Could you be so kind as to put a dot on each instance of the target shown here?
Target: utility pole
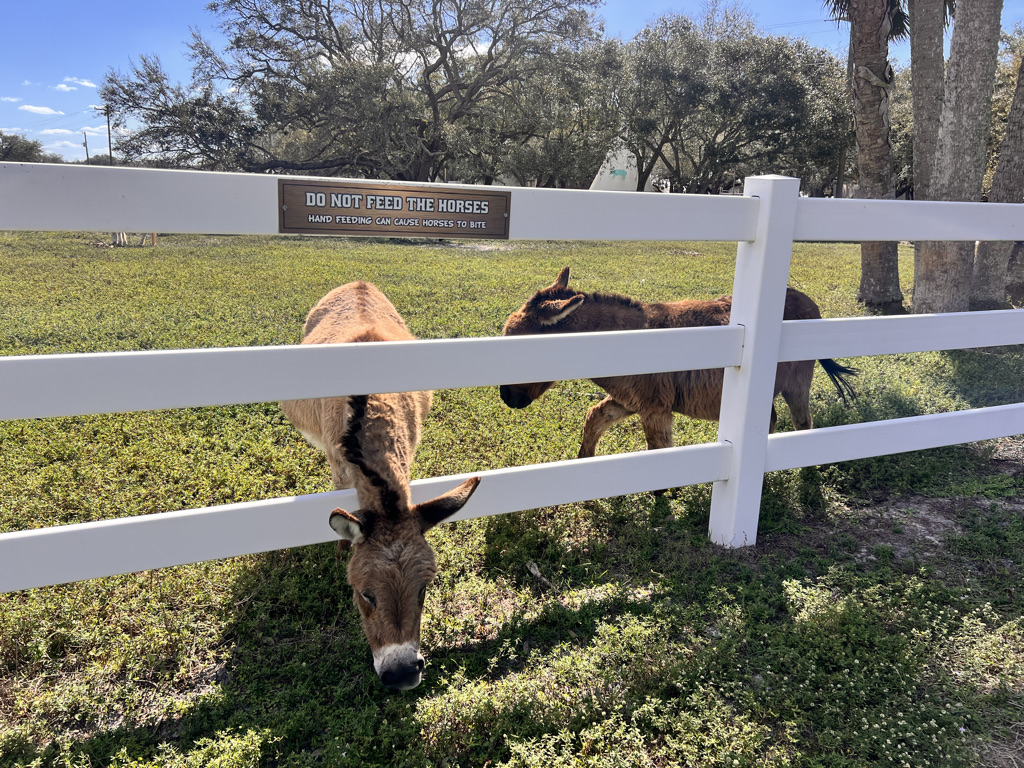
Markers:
(85, 144)
(110, 147)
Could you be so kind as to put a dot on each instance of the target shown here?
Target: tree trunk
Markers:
(943, 270)
(1015, 273)
(928, 70)
(989, 280)
(869, 48)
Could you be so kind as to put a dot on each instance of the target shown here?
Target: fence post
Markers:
(759, 295)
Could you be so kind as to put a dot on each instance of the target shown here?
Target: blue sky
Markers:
(56, 53)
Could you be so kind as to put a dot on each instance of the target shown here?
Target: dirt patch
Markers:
(1006, 753)
(910, 527)
(1009, 456)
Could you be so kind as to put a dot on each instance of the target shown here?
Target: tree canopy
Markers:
(387, 90)
(482, 90)
(706, 103)
(15, 148)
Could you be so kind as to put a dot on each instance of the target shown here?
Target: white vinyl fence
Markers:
(764, 222)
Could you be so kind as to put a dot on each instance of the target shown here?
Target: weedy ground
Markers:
(877, 622)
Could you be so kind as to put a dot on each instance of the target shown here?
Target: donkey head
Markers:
(389, 570)
(544, 312)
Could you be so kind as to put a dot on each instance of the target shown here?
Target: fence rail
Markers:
(34, 386)
(764, 222)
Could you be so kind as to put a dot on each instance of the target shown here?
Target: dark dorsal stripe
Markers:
(353, 447)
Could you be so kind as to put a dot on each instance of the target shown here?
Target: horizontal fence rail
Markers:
(915, 433)
(765, 222)
(38, 196)
(97, 199)
(33, 386)
(859, 336)
(829, 220)
(65, 553)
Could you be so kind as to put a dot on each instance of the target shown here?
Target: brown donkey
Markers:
(655, 397)
(370, 441)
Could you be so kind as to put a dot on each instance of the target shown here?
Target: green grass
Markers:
(877, 621)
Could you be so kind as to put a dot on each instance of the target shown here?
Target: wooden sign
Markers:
(391, 210)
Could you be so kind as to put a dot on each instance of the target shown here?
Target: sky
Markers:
(56, 53)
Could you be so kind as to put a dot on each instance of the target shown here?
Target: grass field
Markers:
(878, 621)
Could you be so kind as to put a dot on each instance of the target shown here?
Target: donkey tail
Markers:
(838, 374)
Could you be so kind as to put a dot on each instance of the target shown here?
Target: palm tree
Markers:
(872, 24)
(942, 270)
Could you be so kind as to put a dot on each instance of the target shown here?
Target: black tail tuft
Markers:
(838, 374)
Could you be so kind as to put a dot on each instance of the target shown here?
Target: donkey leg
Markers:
(800, 409)
(657, 429)
(339, 477)
(796, 391)
(605, 414)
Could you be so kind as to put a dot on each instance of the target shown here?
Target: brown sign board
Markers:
(391, 210)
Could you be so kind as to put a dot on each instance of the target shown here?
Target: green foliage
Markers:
(706, 101)
(15, 148)
(592, 634)
(399, 90)
(481, 92)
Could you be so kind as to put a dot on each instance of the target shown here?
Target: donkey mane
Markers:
(353, 447)
(596, 297)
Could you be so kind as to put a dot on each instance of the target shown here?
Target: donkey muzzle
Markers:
(399, 667)
(513, 396)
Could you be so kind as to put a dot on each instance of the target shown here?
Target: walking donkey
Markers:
(370, 441)
(656, 396)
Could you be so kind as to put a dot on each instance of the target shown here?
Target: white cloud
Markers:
(39, 110)
(64, 145)
(80, 81)
(12, 99)
(64, 88)
(94, 131)
(57, 132)
(28, 82)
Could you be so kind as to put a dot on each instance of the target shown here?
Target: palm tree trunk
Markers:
(928, 69)
(943, 270)
(870, 24)
(989, 280)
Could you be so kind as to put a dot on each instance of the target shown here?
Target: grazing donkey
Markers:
(656, 396)
(370, 441)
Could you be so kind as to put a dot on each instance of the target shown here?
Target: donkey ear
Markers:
(352, 528)
(553, 312)
(434, 511)
(562, 281)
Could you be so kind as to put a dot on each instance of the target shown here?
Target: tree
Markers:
(659, 84)
(550, 129)
(707, 102)
(15, 148)
(185, 126)
(379, 89)
(901, 131)
(872, 24)
(942, 270)
(928, 19)
(989, 276)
